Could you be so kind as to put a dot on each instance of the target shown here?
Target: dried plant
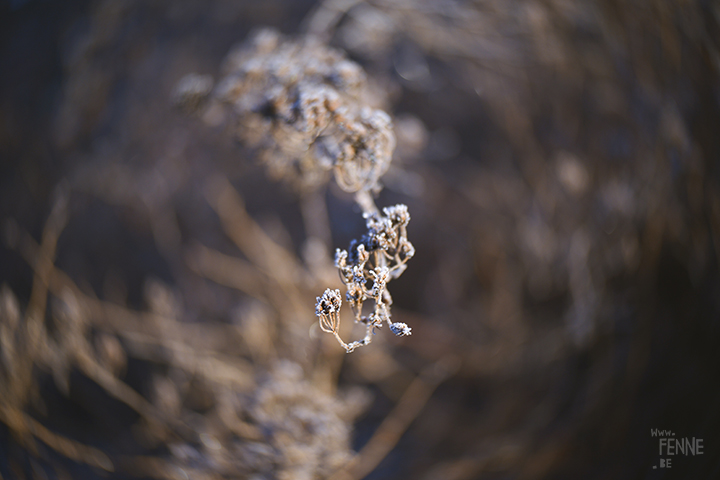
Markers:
(365, 269)
(308, 109)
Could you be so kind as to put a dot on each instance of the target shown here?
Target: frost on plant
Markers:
(307, 108)
(365, 269)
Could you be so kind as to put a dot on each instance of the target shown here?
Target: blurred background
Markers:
(560, 164)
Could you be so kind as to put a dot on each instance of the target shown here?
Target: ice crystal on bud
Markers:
(400, 329)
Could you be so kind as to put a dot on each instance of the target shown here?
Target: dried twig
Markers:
(392, 428)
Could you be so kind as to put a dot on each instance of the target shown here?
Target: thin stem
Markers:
(365, 200)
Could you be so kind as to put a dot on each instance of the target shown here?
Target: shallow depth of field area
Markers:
(345, 239)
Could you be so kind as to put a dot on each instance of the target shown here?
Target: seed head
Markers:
(327, 309)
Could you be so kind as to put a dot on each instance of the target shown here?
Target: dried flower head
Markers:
(308, 109)
(327, 309)
(305, 427)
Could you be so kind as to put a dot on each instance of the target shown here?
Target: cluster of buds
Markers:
(365, 269)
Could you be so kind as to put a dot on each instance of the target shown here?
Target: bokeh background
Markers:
(560, 163)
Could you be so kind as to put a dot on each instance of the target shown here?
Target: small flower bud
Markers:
(327, 309)
(400, 329)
